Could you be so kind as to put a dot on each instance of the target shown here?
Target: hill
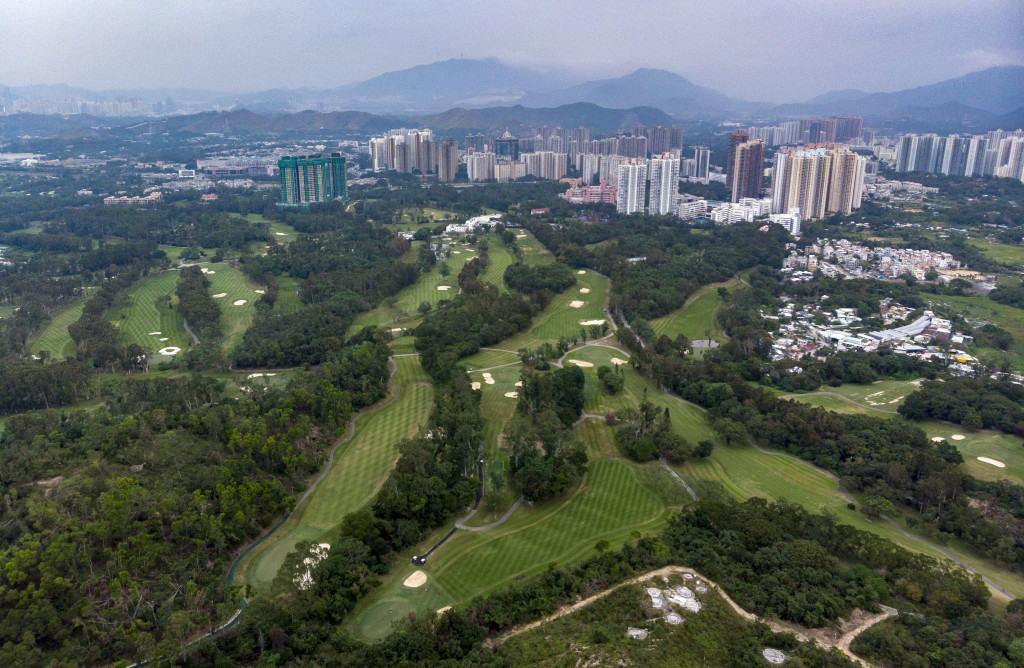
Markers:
(990, 92)
(649, 87)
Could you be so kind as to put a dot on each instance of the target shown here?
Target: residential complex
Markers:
(817, 180)
(997, 153)
(312, 178)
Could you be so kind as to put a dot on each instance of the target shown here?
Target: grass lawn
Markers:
(287, 298)
(488, 358)
(884, 395)
(360, 466)
(236, 286)
(745, 472)
(616, 498)
(1004, 253)
(54, 336)
(560, 318)
(403, 309)
(141, 316)
(988, 443)
(698, 315)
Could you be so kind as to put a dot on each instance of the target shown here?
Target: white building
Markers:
(480, 166)
(663, 173)
(632, 187)
(790, 220)
(690, 207)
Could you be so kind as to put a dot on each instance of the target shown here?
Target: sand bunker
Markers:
(220, 295)
(616, 361)
(938, 439)
(584, 291)
(260, 292)
(155, 333)
(993, 462)
(240, 302)
(512, 395)
(958, 437)
(170, 350)
(576, 304)
(520, 236)
(456, 252)
(164, 339)
(280, 234)
(588, 323)
(442, 288)
(205, 270)
(417, 579)
(396, 329)
(488, 379)
(580, 363)
(475, 385)
(444, 609)
(519, 384)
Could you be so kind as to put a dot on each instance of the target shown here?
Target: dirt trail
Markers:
(828, 638)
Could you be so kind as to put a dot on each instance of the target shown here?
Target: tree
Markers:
(424, 308)
(704, 448)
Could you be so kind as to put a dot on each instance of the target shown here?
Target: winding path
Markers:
(851, 499)
(459, 524)
(801, 633)
(316, 481)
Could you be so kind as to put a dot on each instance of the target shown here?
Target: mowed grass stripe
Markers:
(613, 501)
(141, 315)
(54, 338)
(287, 296)
(359, 467)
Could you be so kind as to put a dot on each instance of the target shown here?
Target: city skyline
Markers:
(885, 47)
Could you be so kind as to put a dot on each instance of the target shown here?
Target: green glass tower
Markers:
(308, 179)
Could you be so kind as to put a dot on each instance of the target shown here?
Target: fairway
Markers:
(881, 395)
(560, 318)
(983, 443)
(287, 296)
(234, 320)
(402, 309)
(142, 315)
(699, 315)
(616, 498)
(360, 467)
(54, 338)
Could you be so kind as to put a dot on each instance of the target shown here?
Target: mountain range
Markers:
(481, 93)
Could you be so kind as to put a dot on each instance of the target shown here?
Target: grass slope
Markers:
(616, 498)
(699, 315)
(360, 467)
(54, 336)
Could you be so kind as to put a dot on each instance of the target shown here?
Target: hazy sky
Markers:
(774, 50)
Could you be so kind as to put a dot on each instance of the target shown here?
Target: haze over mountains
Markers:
(480, 93)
